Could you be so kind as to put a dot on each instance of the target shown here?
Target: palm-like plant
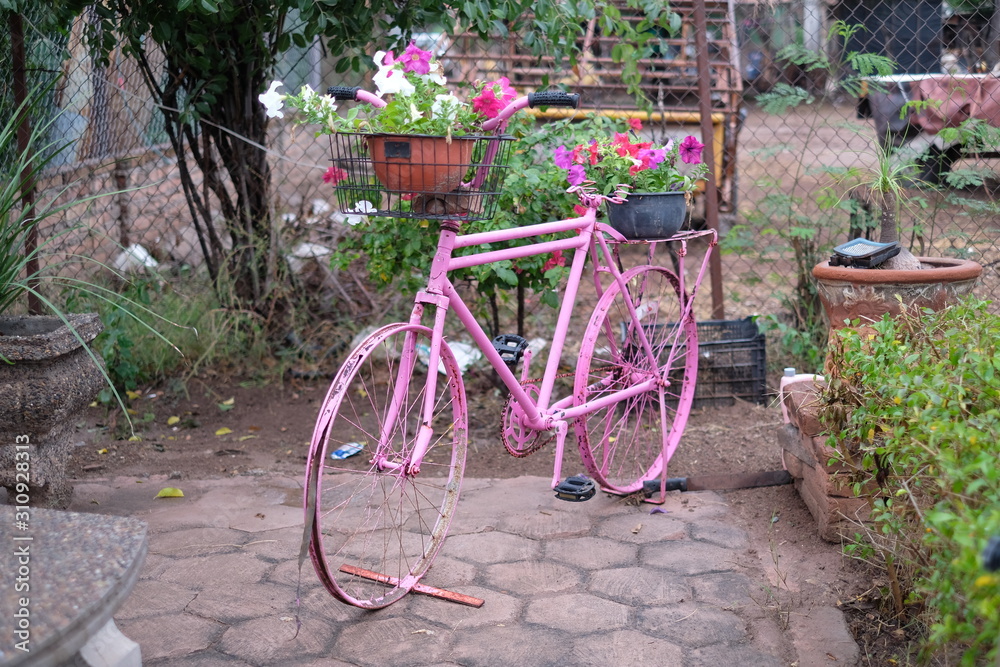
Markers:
(886, 184)
(19, 220)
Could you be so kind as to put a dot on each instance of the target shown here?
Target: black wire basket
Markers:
(419, 176)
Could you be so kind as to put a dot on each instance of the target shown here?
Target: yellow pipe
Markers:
(651, 116)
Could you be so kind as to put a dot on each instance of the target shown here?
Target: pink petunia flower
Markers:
(416, 60)
(690, 150)
(563, 157)
(493, 98)
(557, 259)
(579, 210)
(635, 124)
(650, 157)
(581, 154)
(334, 175)
(625, 147)
(577, 174)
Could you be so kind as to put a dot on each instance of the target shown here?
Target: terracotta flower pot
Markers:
(868, 294)
(419, 163)
(649, 215)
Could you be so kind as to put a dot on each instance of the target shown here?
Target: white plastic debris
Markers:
(465, 355)
(320, 207)
(134, 259)
(536, 345)
(303, 253)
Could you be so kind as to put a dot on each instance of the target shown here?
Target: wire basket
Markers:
(419, 176)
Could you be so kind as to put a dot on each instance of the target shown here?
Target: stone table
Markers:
(62, 577)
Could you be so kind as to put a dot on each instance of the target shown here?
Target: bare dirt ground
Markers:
(223, 427)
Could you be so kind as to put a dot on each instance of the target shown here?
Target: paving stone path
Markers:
(601, 582)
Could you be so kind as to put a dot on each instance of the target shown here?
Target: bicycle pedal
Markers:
(510, 347)
(576, 489)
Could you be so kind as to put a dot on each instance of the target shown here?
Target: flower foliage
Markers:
(623, 165)
(418, 100)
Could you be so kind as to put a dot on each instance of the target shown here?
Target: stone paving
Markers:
(601, 582)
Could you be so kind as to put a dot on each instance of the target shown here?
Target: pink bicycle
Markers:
(376, 521)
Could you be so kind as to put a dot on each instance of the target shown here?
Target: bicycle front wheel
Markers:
(375, 526)
(628, 442)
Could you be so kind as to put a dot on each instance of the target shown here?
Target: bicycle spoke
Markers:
(624, 443)
(378, 516)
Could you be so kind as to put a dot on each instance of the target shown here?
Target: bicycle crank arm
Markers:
(748, 480)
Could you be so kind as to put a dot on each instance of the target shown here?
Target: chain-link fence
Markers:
(784, 130)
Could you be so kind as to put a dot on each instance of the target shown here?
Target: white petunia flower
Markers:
(272, 100)
(363, 206)
(435, 74)
(389, 81)
(307, 94)
(415, 114)
(446, 106)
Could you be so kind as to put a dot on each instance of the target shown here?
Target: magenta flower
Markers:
(334, 175)
(577, 175)
(416, 60)
(555, 260)
(563, 157)
(652, 156)
(690, 150)
(493, 98)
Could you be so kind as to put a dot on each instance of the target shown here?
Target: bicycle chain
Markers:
(505, 414)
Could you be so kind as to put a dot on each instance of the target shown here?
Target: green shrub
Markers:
(914, 405)
(201, 333)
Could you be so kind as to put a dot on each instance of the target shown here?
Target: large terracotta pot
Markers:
(48, 383)
(420, 163)
(649, 215)
(867, 294)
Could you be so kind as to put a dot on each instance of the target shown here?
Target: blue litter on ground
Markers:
(344, 451)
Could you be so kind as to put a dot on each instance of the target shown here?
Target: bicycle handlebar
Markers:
(554, 98)
(548, 98)
(343, 92)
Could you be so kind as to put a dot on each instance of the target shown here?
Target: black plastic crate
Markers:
(732, 362)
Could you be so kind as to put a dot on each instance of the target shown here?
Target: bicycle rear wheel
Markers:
(369, 512)
(624, 443)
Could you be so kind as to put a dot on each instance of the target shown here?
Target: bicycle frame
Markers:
(591, 240)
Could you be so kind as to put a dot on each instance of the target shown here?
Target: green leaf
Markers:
(170, 492)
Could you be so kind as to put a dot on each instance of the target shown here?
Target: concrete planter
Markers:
(47, 381)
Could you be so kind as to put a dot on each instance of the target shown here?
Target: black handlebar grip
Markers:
(343, 92)
(554, 98)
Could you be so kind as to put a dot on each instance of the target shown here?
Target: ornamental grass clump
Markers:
(624, 164)
(914, 408)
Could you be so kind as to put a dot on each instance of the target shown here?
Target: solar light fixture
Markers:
(863, 253)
